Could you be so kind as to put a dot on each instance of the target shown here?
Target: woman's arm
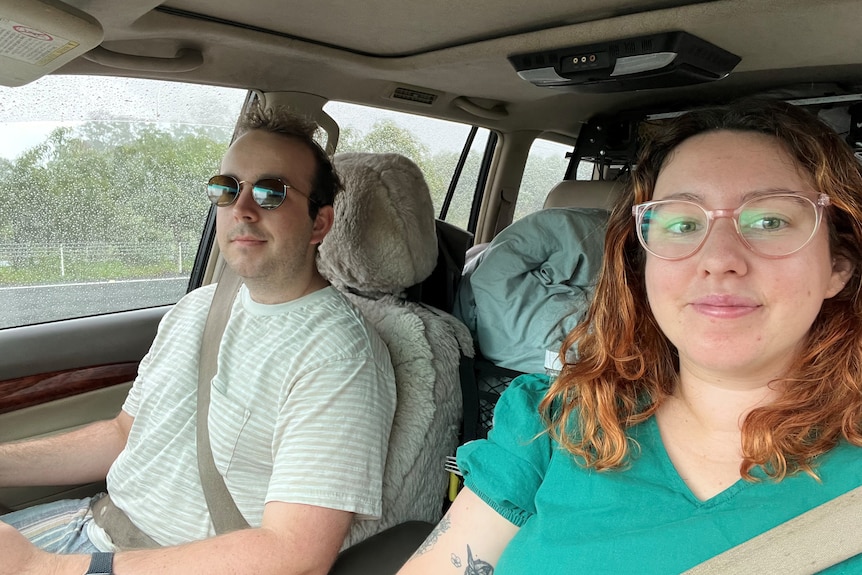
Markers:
(468, 540)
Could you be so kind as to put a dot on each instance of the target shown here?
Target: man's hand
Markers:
(20, 557)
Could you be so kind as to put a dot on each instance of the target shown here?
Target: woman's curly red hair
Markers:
(626, 367)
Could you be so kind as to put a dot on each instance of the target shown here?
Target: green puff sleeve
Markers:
(508, 468)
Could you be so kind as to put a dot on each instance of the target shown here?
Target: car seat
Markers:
(585, 194)
(383, 241)
(571, 194)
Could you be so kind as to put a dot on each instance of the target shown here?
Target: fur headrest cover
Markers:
(384, 238)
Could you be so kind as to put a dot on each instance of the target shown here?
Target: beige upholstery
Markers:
(567, 194)
(384, 240)
(584, 194)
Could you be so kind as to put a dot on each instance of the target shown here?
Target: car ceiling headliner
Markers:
(361, 51)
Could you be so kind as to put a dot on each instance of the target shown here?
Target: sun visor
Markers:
(645, 62)
(39, 36)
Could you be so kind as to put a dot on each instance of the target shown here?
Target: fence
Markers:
(87, 259)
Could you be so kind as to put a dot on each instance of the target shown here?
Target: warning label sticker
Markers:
(21, 42)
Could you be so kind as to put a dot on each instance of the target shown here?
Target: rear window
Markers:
(546, 166)
(434, 145)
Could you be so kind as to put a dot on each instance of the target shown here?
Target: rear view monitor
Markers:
(645, 62)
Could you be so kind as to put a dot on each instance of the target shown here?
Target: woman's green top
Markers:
(641, 519)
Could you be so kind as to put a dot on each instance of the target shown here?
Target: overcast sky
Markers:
(29, 113)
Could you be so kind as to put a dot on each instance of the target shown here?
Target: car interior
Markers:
(514, 76)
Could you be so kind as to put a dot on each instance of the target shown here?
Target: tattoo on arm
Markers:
(475, 566)
(429, 542)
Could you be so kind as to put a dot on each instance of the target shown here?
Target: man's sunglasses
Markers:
(269, 193)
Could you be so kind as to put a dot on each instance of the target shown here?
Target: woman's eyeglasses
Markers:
(772, 226)
(269, 193)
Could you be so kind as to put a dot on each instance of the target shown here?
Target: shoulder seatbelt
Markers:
(223, 511)
(809, 543)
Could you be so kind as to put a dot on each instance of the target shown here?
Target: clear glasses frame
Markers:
(640, 210)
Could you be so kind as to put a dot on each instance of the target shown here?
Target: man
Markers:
(300, 412)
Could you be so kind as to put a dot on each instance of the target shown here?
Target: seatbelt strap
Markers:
(809, 543)
(124, 534)
(223, 510)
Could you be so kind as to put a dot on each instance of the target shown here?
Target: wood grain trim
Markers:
(35, 389)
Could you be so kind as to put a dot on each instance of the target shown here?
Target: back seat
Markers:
(568, 194)
(526, 289)
(584, 194)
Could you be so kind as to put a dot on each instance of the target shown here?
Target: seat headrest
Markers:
(584, 194)
(384, 238)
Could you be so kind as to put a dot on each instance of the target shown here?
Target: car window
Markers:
(545, 167)
(435, 145)
(105, 207)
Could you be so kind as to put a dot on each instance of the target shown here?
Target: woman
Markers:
(717, 391)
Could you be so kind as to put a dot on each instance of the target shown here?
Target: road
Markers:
(36, 304)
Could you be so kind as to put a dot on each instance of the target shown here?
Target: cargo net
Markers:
(491, 381)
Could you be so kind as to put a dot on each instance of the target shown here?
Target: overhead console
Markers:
(644, 62)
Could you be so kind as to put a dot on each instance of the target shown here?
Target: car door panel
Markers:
(58, 376)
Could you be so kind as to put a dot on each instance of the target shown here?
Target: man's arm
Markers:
(79, 456)
(294, 539)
